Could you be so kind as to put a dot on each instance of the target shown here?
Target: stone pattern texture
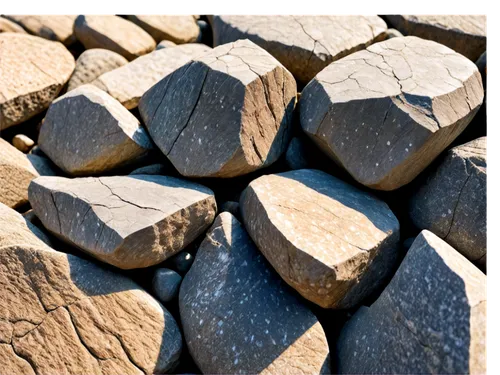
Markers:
(178, 29)
(57, 28)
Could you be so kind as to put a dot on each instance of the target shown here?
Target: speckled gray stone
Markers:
(166, 284)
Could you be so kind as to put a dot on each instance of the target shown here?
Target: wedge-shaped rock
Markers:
(330, 241)
(127, 221)
(64, 315)
(87, 132)
(7, 26)
(56, 28)
(128, 83)
(386, 112)
(178, 29)
(225, 114)
(303, 44)
(229, 322)
(464, 34)
(452, 201)
(431, 319)
(92, 63)
(113, 33)
(32, 72)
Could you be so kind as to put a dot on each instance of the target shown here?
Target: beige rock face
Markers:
(128, 83)
(56, 28)
(386, 112)
(7, 26)
(128, 221)
(64, 315)
(32, 72)
(113, 33)
(22, 142)
(303, 44)
(165, 44)
(178, 29)
(330, 241)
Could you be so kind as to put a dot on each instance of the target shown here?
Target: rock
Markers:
(155, 169)
(166, 284)
(36, 151)
(393, 33)
(22, 143)
(452, 201)
(206, 35)
(465, 34)
(232, 207)
(86, 132)
(296, 154)
(129, 83)
(127, 221)
(385, 113)
(303, 44)
(113, 33)
(165, 44)
(237, 315)
(34, 70)
(330, 241)
(66, 315)
(57, 28)
(481, 65)
(225, 114)
(43, 166)
(430, 319)
(92, 63)
(408, 242)
(30, 218)
(178, 29)
(182, 262)
(7, 26)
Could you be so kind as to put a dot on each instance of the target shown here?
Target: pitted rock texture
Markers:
(178, 29)
(330, 241)
(386, 112)
(7, 26)
(303, 44)
(452, 201)
(32, 73)
(92, 63)
(230, 324)
(129, 83)
(63, 315)
(127, 221)
(56, 28)
(114, 33)
(224, 114)
(431, 319)
(465, 34)
(87, 132)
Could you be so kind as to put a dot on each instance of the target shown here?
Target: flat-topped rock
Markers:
(333, 243)
(127, 221)
(7, 26)
(57, 28)
(178, 29)
(385, 113)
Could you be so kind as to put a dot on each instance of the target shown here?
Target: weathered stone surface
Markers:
(225, 114)
(129, 83)
(431, 319)
(113, 33)
(86, 131)
(156, 169)
(330, 241)
(452, 201)
(239, 317)
(178, 29)
(386, 112)
(56, 28)
(165, 44)
(303, 44)
(63, 315)
(7, 26)
(32, 72)
(127, 221)
(166, 284)
(22, 142)
(465, 34)
(92, 63)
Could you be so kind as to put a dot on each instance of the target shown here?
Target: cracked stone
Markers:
(385, 113)
(451, 202)
(87, 132)
(224, 114)
(57, 28)
(228, 321)
(63, 314)
(7, 26)
(431, 318)
(127, 221)
(32, 71)
(303, 44)
(178, 29)
(333, 243)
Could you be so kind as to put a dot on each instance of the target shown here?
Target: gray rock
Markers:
(296, 154)
(182, 262)
(430, 319)
(57, 28)
(127, 221)
(155, 169)
(166, 284)
(385, 113)
(178, 29)
(333, 243)
(237, 315)
(225, 114)
(232, 207)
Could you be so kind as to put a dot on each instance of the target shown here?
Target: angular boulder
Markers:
(224, 114)
(333, 243)
(431, 318)
(127, 221)
(229, 322)
(57, 28)
(383, 114)
(178, 29)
